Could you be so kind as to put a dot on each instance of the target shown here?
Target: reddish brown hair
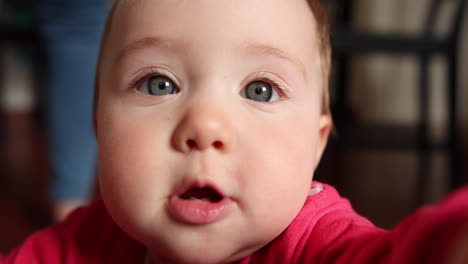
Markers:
(323, 32)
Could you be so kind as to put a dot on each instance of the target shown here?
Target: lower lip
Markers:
(198, 212)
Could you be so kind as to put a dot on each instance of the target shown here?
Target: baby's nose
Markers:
(203, 127)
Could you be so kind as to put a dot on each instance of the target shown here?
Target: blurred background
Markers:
(398, 91)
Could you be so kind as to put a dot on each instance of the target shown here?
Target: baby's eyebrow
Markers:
(147, 42)
(251, 47)
(266, 49)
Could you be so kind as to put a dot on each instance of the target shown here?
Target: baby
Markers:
(211, 117)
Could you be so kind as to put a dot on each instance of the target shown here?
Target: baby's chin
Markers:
(201, 254)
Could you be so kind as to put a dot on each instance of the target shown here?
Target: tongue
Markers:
(205, 194)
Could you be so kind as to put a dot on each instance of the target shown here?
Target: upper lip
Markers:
(197, 184)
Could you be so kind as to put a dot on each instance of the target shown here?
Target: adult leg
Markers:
(71, 30)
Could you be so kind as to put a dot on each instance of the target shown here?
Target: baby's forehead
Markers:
(278, 22)
(278, 28)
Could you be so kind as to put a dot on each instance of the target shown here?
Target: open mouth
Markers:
(199, 205)
(206, 194)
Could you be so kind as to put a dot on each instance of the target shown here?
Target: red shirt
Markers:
(327, 230)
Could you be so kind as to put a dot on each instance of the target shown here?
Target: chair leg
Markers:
(424, 175)
(453, 140)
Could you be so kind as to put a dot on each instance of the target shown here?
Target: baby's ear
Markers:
(325, 124)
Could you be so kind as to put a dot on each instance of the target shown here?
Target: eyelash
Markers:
(148, 73)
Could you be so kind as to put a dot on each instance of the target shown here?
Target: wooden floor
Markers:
(379, 185)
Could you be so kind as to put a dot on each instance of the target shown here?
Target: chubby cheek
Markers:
(130, 155)
(282, 163)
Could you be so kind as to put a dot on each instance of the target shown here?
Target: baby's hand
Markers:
(460, 252)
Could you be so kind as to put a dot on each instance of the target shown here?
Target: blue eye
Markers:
(158, 85)
(260, 91)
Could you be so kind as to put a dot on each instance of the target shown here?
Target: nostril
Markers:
(218, 144)
(191, 143)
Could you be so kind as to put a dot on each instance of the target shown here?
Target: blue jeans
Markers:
(71, 31)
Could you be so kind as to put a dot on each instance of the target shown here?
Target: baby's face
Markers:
(209, 123)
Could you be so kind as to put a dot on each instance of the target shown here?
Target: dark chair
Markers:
(425, 46)
(24, 38)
